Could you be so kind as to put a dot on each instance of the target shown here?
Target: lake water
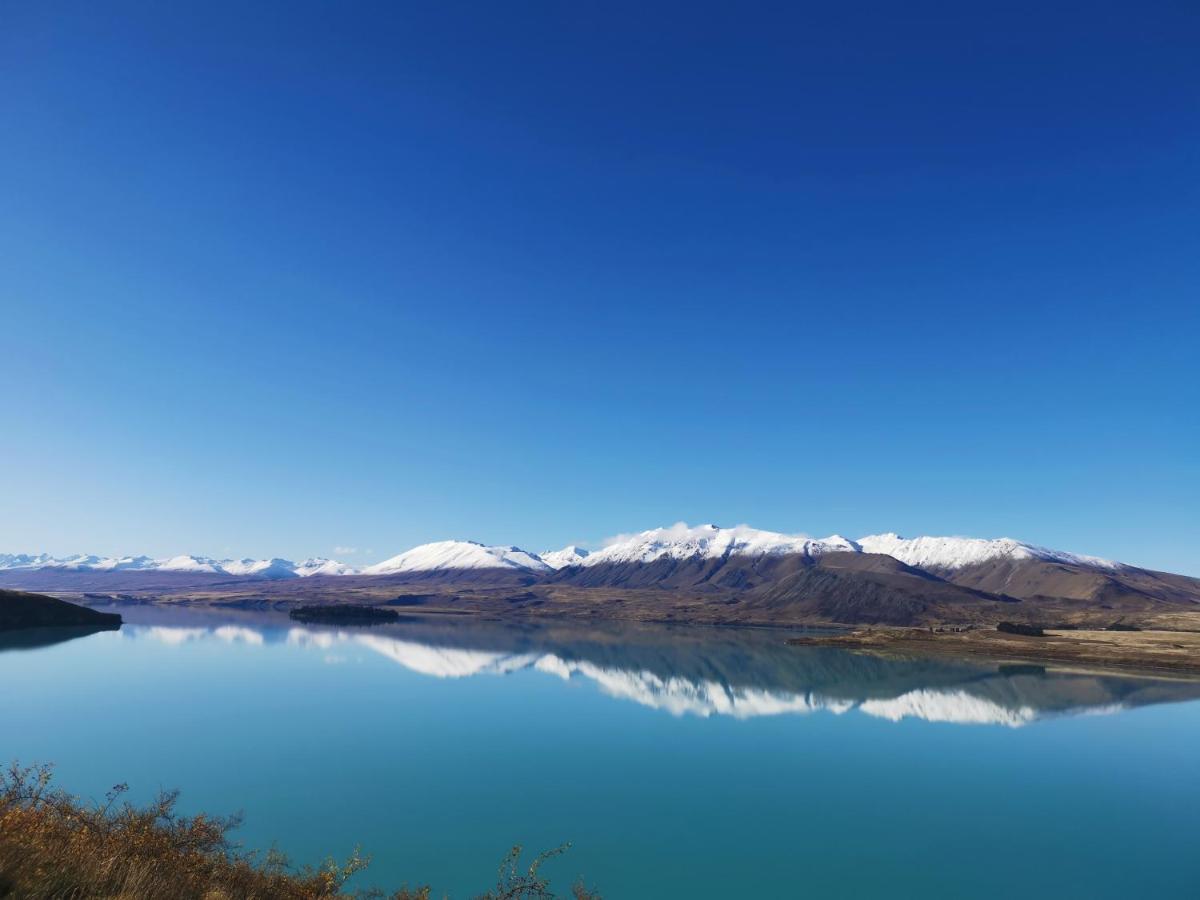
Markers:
(690, 763)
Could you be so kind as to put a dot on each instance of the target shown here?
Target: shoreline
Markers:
(1168, 650)
(1152, 653)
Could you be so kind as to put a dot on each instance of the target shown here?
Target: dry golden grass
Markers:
(1151, 652)
(54, 847)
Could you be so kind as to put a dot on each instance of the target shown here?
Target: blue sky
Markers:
(281, 280)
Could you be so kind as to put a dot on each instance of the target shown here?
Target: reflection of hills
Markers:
(34, 638)
(741, 673)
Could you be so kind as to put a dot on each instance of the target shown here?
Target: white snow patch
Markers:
(567, 556)
(260, 568)
(190, 564)
(681, 541)
(959, 552)
(319, 565)
(458, 555)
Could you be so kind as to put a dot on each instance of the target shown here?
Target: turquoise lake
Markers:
(678, 762)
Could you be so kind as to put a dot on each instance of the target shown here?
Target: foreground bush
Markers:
(54, 847)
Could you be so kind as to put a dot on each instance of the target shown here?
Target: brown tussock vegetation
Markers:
(55, 847)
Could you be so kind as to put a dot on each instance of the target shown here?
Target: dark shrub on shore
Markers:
(1021, 628)
(344, 614)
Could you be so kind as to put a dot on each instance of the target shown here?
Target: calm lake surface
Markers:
(681, 762)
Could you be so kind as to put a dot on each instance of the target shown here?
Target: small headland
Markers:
(19, 610)
(344, 614)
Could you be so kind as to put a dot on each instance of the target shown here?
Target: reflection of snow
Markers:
(232, 634)
(676, 695)
(948, 706)
(172, 636)
(680, 696)
(1106, 710)
(443, 662)
(302, 637)
(425, 659)
(965, 709)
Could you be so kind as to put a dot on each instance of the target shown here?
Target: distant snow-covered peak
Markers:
(458, 555)
(273, 568)
(78, 561)
(567, 556)
(319, 565)
(89, 562)
(959, 552)
(125, 564)
(260, 568)
(681, 541)
(24, 560)
(190, 564)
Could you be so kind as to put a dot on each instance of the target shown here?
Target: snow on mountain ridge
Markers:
(261, 568)
(24, 560)
(185, 563)
(125, 564)
(681, 541)
(567, 556)
(79, 561)
(319, 565)
(273, 568)
(958, 552)
(458, 555)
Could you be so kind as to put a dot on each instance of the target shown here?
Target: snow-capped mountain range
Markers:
(677, 542)
(708, 541)
(197, 565)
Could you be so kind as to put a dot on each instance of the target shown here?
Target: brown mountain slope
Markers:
(859, 588)
(869, 589)
(728, 572)
(1124, 588)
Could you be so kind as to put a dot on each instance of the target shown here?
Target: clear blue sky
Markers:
(279, 280)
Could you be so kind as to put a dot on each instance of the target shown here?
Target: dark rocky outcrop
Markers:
(22, 610)
(344, 614)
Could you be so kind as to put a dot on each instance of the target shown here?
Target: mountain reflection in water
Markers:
(710, 672)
